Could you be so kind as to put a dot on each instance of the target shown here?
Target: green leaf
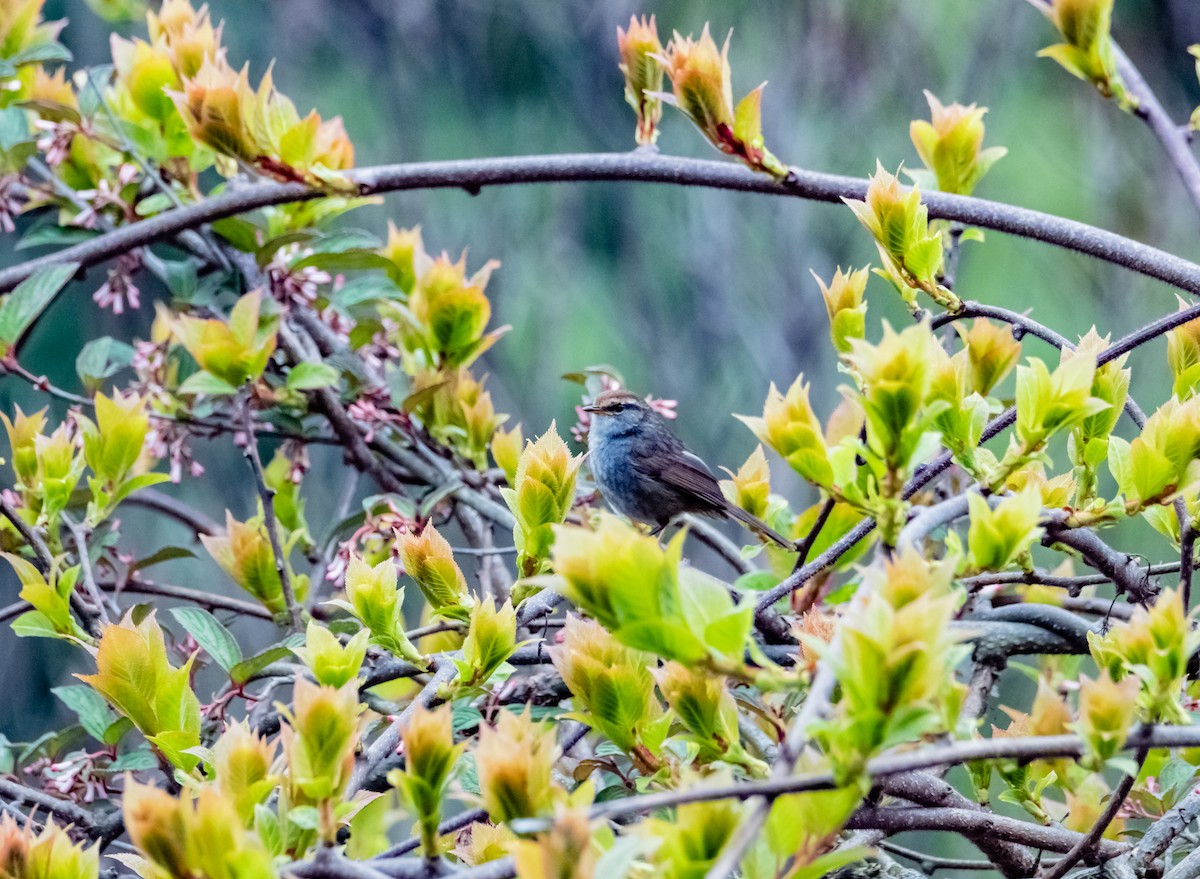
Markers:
(304, 817)
(249, 667)
(43, 53)
(23, 305)
(54, 235)
(206, 383)
(210, 634)
(34, 624)
(242, 234)
(756, 581)
(140, 759)
(345, 261)
(101, 358)
(309, 376)
(94, 714)
(166, 554)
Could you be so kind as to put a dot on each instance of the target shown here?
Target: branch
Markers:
(195, 596)
(975, 824)
(199, 522)
(267, 496)
(387, 742)
(102, 827)
(1151, 111)
(927, 789)
(42, 553)
(820, 692)
(474, 174)
(1091, 841)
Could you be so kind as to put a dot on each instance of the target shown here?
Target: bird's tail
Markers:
(758, 525)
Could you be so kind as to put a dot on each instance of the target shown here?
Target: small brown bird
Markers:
(647, 474)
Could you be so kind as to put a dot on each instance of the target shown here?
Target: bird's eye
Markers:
(620, 407)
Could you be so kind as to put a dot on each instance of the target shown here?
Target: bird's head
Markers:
(617, 412)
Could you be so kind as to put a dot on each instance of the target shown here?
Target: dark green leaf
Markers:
(210, 634)
(23, 305)
(345, 261)
(45, 53)
(94, 714)
(54, 235)
(14, 128)
(242, 234)
(251, 666)
(166, 554)
(133, 761)
(101, 358)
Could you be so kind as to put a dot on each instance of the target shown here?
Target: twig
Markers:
(929, 863)
(1041, 577)
(820, 692)
(494, 581)
(810, 538)
(1151, 111)
(103, 827)
(87, 616)
(974, 824)
(196, 596)
(385, 744)
(85, 567)
(1187, 559)
(474, 174)
(267, 496)
(1159, 836)
(1093, 837)
(185, 514)
(718, 543)
(929, 789)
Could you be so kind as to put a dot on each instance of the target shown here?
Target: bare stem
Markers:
(267, 496)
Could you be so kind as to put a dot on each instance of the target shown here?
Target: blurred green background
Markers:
(700, 296)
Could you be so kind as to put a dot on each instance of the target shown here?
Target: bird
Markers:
(647, 474)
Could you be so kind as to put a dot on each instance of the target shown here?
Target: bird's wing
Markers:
(685, 471)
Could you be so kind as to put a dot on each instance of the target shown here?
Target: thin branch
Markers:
(387, 742)
(928, 789)
(474, 174)
(195, 596)
(267, 495)
(928, 863)
(820, 692)
(1159, 836)
(185, 514)
(718, 543)
(1040, 577)
(1091, 841)
(41, 551)
(85, 566)
(1187, 559)
(975, 824)
(813, 533)
(1151, 111)
(104, 827)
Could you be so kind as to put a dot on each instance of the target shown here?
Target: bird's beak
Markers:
(590, 408)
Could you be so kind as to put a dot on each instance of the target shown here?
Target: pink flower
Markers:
(119, 289)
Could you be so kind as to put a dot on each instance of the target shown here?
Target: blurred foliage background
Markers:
(700, 296)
